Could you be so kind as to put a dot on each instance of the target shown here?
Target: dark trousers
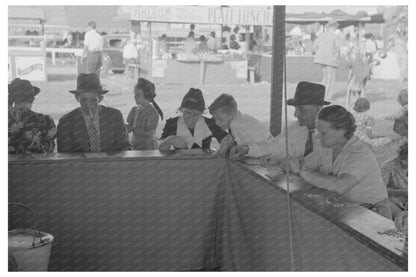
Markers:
(93, 62)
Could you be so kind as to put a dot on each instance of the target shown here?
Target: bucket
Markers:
(29, 250)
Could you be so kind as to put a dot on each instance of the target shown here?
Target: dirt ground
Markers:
(56, 101)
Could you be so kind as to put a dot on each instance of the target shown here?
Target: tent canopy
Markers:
(69, 18)
(25, 12)
(308, 18)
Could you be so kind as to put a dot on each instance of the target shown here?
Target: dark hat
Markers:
(22, 90)
(194, 100)
(308, 94)
(146, 85)
(88, 83)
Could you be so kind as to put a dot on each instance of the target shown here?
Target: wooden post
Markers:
(278, 58)
(150, 40)
(53, 57)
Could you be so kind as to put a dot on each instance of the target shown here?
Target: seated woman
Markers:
(192, 130)
(344, 164)
(365, 125)
(144, 117)
(29, 132)
(395, 174)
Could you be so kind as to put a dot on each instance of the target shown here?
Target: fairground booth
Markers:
(224, 66)
(27, 44)
(190, 210)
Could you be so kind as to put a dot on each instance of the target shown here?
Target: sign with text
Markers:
(30, 68)
(200, 14)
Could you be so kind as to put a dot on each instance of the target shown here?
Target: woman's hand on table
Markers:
(175, 141)
(238, 152)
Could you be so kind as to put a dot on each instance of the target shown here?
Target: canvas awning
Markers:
(309, 18)
(66, 18)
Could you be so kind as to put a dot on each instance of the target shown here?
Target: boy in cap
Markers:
(302, 140)
(91, 127)
(243, 128)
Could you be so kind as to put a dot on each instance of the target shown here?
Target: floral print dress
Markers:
(30, 132)
(365, 123)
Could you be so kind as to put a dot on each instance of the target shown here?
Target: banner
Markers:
(30, 68)
(199, 14)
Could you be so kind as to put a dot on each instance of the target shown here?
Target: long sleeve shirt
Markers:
(276, 146)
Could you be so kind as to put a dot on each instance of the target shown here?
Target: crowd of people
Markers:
(330, 147)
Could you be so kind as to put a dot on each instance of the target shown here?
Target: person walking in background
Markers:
(91, 127)
(327, 48)
(400, 48)
(365, 124)
(93, 50)
(143, 119)
(29, 132)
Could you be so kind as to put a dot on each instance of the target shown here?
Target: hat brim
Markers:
(296, 102)
(100, 91)
(36, 90)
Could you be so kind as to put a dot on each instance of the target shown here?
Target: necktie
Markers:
(95, 144)
(309, 143)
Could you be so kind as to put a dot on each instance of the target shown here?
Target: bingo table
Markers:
(175, 211)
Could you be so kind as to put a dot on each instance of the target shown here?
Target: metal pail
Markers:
(29, 250)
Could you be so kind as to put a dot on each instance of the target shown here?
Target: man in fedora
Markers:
(302, 140)
(91, 127)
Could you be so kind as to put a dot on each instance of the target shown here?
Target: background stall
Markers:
(27, 49)
(220, 67)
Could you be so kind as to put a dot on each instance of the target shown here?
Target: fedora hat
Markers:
(88, 83)
(308, 94)
(194, 100)
(22, 90)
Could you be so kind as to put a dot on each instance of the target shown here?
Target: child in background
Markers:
(403, 101)
(365, 124)
(143, 118)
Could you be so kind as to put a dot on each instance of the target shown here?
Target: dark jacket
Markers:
(73, 134)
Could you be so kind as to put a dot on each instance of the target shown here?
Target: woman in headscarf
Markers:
(143, 118)
(29, 132)
(192, 130)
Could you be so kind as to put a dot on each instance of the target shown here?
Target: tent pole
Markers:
(278, 56)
